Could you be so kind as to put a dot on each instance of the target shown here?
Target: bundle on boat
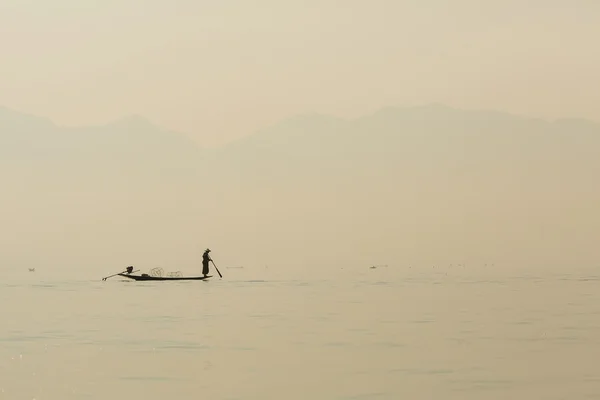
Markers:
(159, 272)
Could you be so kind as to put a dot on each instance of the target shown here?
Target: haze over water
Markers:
(452, 332)
(303, 142)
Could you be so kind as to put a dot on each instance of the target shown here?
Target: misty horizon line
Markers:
(430, 105)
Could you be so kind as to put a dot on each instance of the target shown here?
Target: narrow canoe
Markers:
(145, 277)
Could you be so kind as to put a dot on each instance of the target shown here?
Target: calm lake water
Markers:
(471, 332)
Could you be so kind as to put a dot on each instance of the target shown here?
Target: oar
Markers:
(118, 274)
(216, 268)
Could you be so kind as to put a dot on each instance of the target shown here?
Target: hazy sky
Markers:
(220, 69)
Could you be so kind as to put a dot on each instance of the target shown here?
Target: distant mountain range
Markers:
(400, 180)
(314, 146)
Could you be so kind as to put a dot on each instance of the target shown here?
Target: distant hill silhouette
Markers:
(413, 142)
(127, 150)
(414, 183)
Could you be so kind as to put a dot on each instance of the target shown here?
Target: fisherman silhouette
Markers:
(205, 260)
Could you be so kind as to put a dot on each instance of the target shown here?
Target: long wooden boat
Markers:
(146, 277)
